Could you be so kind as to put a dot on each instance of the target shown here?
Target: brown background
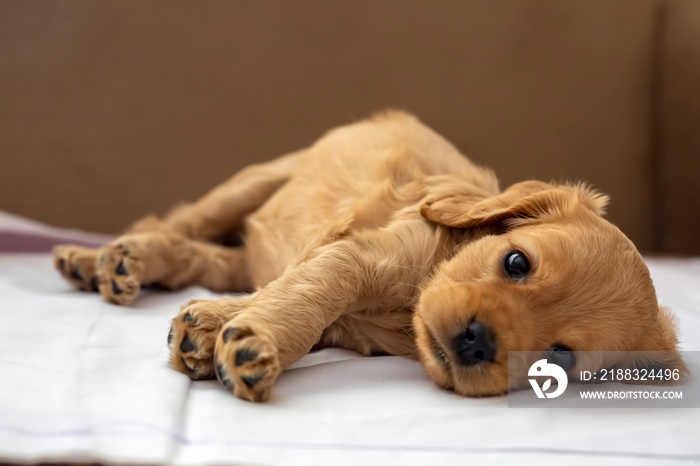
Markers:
(110, 110)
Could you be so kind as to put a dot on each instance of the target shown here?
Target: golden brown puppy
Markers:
(383, 238)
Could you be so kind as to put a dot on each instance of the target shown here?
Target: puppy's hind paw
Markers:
(119, 273)
(77, 266)
(246, 363)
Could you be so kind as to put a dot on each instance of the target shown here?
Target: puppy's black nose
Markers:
(474, 345)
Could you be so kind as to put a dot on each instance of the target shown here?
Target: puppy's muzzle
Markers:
(474, 345)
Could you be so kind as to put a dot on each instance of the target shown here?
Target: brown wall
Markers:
(110, 110)
(679, 168)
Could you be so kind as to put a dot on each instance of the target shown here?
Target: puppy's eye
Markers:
(562, 356)
(516, 264)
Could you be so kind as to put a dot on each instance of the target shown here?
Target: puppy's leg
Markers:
(170, 260)
(223, 209)
(193, 334)
(219, 212)
(288, 316)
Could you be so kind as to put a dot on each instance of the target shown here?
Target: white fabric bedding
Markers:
(85, 381)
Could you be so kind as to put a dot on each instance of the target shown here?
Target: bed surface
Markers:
(86, 381)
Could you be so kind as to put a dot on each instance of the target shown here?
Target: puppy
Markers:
(382, 238)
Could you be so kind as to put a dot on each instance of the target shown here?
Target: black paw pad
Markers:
(121, 270)
(170, 336)
(229, 333)
(221, 374)
(187, 368)
(186, 346)
(245, 355)
(252, 380)
(188, 318)
(115, 288)
(76, 275)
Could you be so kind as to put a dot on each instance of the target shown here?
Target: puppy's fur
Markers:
(383, 238)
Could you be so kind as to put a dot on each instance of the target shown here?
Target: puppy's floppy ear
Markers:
(526, 200)
(658, 350)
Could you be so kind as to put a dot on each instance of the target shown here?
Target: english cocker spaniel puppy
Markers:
(384, 239)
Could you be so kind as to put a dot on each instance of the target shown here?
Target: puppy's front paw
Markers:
(247, 363)
(77, 265)
(193, 333)
(119, 272)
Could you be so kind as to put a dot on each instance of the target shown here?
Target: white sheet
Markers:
(81, 380)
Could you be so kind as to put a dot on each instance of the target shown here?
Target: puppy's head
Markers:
(553, 276)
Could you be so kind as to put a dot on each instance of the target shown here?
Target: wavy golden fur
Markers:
(383, 238)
